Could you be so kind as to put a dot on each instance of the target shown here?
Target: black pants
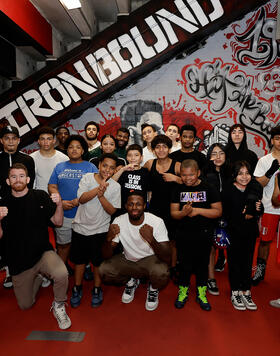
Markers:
(240, 259)
(193, 249)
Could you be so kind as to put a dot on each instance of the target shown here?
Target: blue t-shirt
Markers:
(67, 176)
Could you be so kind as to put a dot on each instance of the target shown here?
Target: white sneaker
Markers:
(248, 301)
(237, 301)
(130, 288)
(152, 299)
(61, 316)
(46, 282)
(275, 303)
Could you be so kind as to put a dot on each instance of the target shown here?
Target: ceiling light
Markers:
(71, 4)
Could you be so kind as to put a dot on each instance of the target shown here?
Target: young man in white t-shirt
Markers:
(46, 158)
(265, 172)
(146, 251)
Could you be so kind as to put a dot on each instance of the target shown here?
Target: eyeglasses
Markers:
(217, 154)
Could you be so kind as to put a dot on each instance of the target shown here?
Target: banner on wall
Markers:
(114, 59)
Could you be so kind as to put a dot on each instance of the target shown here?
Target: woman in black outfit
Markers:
(237, 150)
(242, 208)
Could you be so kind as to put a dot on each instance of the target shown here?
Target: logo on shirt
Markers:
(196, 197)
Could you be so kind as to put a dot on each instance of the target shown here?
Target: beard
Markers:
(91, 138)
(135, 217)
(18, 187)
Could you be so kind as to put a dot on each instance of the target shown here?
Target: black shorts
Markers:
(85, 249)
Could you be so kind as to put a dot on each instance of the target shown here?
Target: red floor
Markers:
(119, 329)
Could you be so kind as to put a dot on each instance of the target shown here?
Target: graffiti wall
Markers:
(233, 77)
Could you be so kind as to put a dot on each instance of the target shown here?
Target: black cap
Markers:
(9, 130)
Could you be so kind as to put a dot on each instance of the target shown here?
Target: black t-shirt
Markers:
(133, 181)
(180, 156)
(201, 196)
(25, 229)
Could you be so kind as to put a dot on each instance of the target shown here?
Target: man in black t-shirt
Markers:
(187, 151)
(24, 218)
(195, 204)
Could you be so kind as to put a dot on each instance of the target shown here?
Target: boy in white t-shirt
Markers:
(146, 253)
(99, 198)
(265, 172)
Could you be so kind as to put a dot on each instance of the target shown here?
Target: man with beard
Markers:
(62, 133)
(10, 140)
(146, 253)
(122, 138)
(92, 132)
(28, 250)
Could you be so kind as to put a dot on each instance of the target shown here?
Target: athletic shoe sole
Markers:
(275, 303)
(213, 292)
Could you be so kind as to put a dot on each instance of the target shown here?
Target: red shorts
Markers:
(268, 226)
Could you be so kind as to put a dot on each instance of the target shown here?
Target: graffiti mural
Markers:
(233, 77)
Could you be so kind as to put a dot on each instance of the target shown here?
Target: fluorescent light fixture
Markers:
(71, 4)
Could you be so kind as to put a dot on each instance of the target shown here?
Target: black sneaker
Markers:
(259, 274)
(76, 296)
(220, 264)
(97, 297)
(202, 299)
(212, 287)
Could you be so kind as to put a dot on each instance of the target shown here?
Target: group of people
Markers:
(137, 215)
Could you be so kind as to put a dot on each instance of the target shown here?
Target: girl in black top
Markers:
(216, 172)
(242, 207)
(237, 149)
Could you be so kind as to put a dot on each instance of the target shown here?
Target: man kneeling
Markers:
(146, 251)
(24, 218)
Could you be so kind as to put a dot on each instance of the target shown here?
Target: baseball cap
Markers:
(8, 130)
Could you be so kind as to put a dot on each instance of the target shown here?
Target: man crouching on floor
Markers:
(146, 252)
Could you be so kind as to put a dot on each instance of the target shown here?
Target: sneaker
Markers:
(88, 274)
(275, 303)
(8, 282)
(202, 299)
(182, 297)
(212, 287)
(46, 282)
(130, 288)
(259, 272)
(61, 316)
(237, 300)
(248, 301)
(152, 299)
(97, 297)
(76, 297)
(220, 264)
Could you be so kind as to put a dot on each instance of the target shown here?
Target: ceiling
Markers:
(85, 22)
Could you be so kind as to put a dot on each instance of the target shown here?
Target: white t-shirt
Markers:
(262, 166)
(44, 167)
(134, 246)
(147, 154)
(91, 218)
(176, 147)
(97, 144)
